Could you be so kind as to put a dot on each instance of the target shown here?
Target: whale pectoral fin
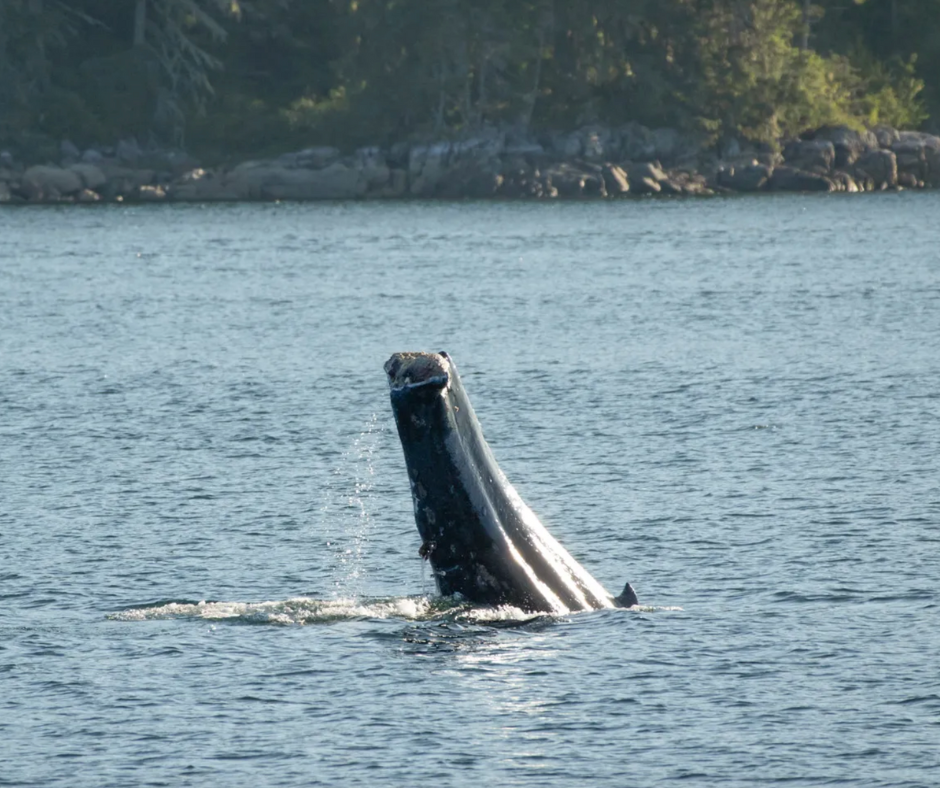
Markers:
(627, 597)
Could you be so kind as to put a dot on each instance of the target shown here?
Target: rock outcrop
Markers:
(594, 162)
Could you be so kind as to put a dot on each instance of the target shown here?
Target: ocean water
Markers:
(209, 570)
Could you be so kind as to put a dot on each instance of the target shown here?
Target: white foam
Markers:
(483, 615)
(304, 610)
(301, 610)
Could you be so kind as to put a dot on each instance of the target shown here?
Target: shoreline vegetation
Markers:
(233, 100)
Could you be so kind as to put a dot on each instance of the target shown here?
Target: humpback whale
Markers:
(480, 538)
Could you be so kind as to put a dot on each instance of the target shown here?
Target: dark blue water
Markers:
(208, 561)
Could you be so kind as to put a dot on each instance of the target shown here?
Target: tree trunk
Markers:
(804, 41)
(441, 97)
(546, 25)
(536, 83)
(481, 91)
(140, 22)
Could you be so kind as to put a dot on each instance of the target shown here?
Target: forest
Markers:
(238, 77)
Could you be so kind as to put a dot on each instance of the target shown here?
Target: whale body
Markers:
(482, 541)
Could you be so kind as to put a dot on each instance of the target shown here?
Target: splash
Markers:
(292, 611)
(348, 510)
(302, 610)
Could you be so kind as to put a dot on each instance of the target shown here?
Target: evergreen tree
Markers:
(260, 75)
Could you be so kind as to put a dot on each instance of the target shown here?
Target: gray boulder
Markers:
(397, 185)
(880, 166)
(616, 181)
(850, 145)
(670, 186)
(565, 178)
(519, 180)
(597, 143)
(128, 151)
(270, 181)
(202, 186)
(790, 179)
(524, 148)
(174, 162)
(813, 155)
(315, 158)
(844, 182)
(193, 175)
(593, 185)
(637, 143)
(568, 146)
(645, 185)
(645, 177)
(912, 161)
(373, 168)
(918, 139)
(690, 183)
(50, 183)
(151, 194)
(68, 152)
(917, 154)
(474, 164)
(427, 165)
(485, 147)
(647, 169)
(469, 180)
(124, 181)
(679, 149)
(933, 169)
(885, 135)
(92, 177)
(668, 143)
(749, 177)
(864, 182)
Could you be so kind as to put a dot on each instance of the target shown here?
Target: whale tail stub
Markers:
(627, 597)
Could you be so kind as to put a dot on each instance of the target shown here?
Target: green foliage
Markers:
(758, 83)
(415, 67)
(895, 44)
(29, 32)
(892, 94)
(121, 89)
(240, 126)
(258, 76)
(63, 114)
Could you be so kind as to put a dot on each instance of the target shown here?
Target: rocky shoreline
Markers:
(592, 162)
